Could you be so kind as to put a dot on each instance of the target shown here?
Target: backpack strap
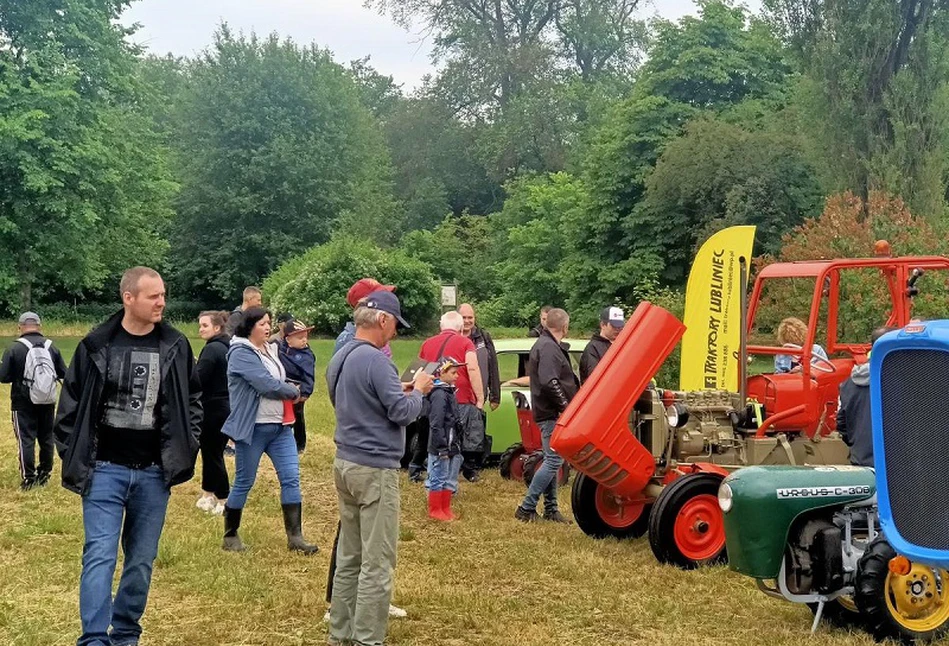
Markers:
(48, 343)
(27, 343)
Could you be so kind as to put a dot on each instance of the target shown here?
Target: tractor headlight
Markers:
(725, 497)
(677, 415)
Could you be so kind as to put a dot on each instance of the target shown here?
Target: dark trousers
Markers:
(332, 571)
(213, 470)
(299, 426)
(32, 425)
(420, 454)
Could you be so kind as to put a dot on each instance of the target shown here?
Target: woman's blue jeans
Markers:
(276, 440)
(128, 505)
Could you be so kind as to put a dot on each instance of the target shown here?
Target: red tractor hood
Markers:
(593, 434)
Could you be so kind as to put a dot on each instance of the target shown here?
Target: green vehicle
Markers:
(811, 535)
(502, 424)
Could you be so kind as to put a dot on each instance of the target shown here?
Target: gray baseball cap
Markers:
(29, 318)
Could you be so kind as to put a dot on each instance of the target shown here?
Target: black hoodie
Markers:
(212, 373)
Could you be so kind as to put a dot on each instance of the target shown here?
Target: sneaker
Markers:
(206, 503)
(42, 479)
(525, 515)
(395, 611)
(27, 484)
(472, 476)
(556, 517)
(218, 509)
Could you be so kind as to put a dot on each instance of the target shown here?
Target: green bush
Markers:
(313, 286)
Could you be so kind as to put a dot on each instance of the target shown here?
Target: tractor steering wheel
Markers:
(818, 363)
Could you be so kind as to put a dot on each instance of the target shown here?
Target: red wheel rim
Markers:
(699, 530)
(517, 466)
(613, 511)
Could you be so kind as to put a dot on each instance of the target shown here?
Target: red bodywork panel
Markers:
(593, 433)
(784, 392)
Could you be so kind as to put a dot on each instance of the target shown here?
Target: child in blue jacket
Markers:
(300, 363)
(444, 440)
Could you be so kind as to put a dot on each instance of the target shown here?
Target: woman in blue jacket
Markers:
(261, 422)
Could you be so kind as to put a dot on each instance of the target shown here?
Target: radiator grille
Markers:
(915, 387)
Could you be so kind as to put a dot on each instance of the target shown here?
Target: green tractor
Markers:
(865, 548)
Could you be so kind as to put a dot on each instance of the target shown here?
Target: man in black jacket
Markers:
(32, 422)
(611, 322)
(854, 422)
(490, 378)
(127, 430)
(553, 385)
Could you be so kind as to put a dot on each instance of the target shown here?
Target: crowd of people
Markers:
(135, 407)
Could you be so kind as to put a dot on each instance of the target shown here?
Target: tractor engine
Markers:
(688, 426)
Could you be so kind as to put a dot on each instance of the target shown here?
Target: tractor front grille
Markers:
(915, 388)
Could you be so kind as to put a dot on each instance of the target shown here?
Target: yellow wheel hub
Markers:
(918, 600)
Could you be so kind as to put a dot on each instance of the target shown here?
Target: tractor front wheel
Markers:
(911, 607)
(511, 465)
(601, 514)
(686, 527)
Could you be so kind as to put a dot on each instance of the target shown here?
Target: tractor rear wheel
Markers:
(686, 527)
(532, 464)
(912, 607)
(601, 514)
(511, 465)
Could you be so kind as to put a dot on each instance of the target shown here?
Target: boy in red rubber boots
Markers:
(444, 440)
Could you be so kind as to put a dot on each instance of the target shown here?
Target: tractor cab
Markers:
(841, 302)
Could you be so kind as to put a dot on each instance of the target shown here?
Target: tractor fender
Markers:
(766, 501)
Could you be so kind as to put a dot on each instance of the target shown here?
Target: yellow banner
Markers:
(713, 312)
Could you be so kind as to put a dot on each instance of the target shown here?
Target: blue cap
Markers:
(387, 302)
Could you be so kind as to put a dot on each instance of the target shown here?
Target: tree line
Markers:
(565, 151)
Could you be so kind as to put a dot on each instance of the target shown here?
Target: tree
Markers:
(85, 188)
(274, 146)
(877, 72)
(601, 37)
(716, 175)
(313, 285)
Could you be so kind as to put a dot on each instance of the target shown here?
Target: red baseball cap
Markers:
(363, 287)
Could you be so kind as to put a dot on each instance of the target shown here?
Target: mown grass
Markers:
(486, 579)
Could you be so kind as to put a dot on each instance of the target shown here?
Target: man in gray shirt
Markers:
(372, 409)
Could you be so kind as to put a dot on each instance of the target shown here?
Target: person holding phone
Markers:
(260, 422)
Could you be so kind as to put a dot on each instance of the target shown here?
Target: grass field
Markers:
(486, 579)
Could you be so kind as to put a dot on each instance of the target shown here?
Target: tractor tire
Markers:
(686, 527)
(599, 515)
(532, 463)
(911, 608)
(511, 467)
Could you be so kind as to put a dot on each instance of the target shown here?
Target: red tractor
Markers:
(651, 461)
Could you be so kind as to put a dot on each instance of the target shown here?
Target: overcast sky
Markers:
(351, 31)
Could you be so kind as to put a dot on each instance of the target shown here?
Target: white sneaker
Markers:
(218, 509)
(205, 503)
(395, 611)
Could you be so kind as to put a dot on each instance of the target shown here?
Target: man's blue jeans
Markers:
(545, 480)
(276, 440)
(126, 503)
(443, 474)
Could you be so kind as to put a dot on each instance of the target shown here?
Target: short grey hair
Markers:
(365, 317)
(452, 321)
(557, 319)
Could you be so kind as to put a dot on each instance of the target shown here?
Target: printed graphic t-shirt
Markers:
(129, 429)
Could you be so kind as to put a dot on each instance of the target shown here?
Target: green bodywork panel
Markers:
(766, 500)
(501, 424)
